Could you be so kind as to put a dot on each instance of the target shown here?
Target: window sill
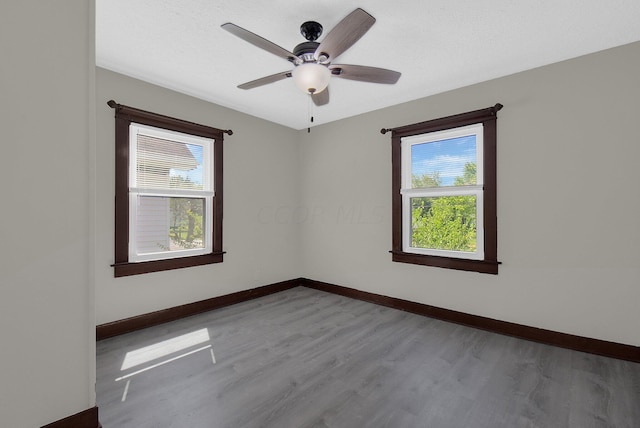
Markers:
(127, 269)
(480, 266)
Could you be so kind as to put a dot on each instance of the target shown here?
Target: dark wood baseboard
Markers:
(548, 337)
(115, 328)
(85, 419)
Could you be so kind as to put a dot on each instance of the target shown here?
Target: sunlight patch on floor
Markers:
(164, 348)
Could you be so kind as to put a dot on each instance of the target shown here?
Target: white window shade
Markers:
(169, 160)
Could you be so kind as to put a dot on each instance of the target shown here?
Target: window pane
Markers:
(166, 164)
(450, 162)
(444, 223)
(169, 224)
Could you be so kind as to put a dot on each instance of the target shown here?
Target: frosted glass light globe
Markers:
(311, 78)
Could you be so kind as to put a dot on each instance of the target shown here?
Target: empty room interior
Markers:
(440, 228)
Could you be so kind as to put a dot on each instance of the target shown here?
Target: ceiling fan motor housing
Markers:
(306, 50)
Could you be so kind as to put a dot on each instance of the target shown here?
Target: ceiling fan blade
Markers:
(321, 98)
(364, 73)
(344, 35)
(260, 42)
(265, 80)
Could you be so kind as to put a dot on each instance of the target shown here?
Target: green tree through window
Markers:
(186, 216)
(447, 222)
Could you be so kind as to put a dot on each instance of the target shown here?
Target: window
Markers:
(168, 193)
(444, 192)
(441, 193)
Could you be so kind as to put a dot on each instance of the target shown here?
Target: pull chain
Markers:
(309, 114)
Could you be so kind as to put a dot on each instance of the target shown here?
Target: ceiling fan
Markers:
(312, 60)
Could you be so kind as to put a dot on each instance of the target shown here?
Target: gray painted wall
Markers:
(47, 353)
(568, 201)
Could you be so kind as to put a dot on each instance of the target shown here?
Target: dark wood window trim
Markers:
(124, 115)
(487, 117)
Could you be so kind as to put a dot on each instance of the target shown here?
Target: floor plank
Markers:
(305, 358)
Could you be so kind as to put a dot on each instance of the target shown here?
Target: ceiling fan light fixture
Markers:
(311, 78)
(311, 59)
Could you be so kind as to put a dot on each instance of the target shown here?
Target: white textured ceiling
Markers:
(437, 45)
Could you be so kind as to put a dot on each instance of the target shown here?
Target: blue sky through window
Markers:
(446, 157)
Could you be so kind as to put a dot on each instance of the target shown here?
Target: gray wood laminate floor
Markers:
(304, 358)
